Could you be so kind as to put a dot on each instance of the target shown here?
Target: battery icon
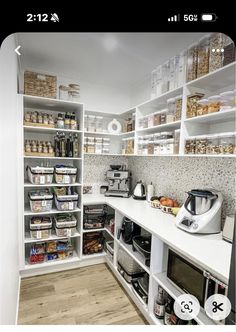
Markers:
(208, 17)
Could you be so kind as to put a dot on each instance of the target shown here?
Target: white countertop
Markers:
(209, 251)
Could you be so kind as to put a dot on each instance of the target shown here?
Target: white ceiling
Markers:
(114, 59)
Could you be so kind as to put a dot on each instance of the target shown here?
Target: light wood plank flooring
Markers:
(88, 295)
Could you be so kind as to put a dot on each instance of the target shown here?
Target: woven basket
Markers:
(41, 85)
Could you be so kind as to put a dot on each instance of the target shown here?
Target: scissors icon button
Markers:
(217, 306)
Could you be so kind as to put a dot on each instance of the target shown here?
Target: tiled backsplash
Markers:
(173, 176)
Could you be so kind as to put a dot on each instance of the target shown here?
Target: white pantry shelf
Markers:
(28, 212)
(107, 154)
(58, 105)
(29, 239)
(131, 133)
(93, 230)
(171, 125)
(95, 255)
(55, 158)
(217, 117)
(102, 133)
(33, 129)
(31, 185)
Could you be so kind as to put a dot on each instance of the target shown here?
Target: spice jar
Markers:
(229, 50)
(203, 56)
(157, 119)
(216, 55)
(202, 107)
(226, 143)
(45, 119)
(28, 117)
(192, 63)
(213, 144)
(157, 144)
(201, 144)
(150, 120)
(171, 110)
(50, 120)
(163, 116)
(150, 144)
(178, 108)
(192, 104)
(214, 104)
(40, 118)
(27, 146)
(34, 117)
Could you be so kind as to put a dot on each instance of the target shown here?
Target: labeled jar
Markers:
(226, 143)
(163, 116)
(192, 56)
(190, 145)
(170, 146)
(203, 56)
(216, 54)
(157, 144)
(213, 144)
(171, 110)
(150, 143)
(178, 108)
(214, 104)
(157, 118)
(202, 107)
(201, 144)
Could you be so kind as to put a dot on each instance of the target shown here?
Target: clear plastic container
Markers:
(192, 104)
(91, 123)
(145, 145)
(216, 56)
(99, 124)
(201, 144)
(157, 118)
(203, 56)
(91, 147)
(190, 145)
(150, 144)
(145, 121)
(150, 120)
(171, 110)
(40, 201)
(202, 107)
(178, 108)
(163, 114)
(65, 174)
(40, 175)
(106, 147)
(176, 141)
(140, 145)
(228, 97)
(40, 227)
(170, 146)
(85, 122)
(157, 141)
(213, 144)
(63, 92)
(226, 143)
(65, 225)
(214, 104)
(166, 135)
(98, 145)
(229, 50)
(66, 202)
(192, 57)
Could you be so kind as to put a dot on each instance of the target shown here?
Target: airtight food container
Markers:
(40, 175)
(40, 201)
(65, 174)
(65, 224)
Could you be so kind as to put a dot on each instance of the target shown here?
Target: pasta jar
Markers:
(214, 104)
(213, 144)
(178, 107)
(201, 144)
(226, 143)
(202, 107)
(203, 56)
(216, 55)
(171, 110)
(192, 63)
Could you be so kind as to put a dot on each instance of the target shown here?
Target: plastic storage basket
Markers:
(65, 224)
(40, 227)
(40, 175)
(127, 262)
(65, 174)
(66, 202)
(40, 201)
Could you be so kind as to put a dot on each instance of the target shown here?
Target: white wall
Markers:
(141, 91)
(9, 275)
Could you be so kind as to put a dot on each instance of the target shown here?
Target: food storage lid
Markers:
(40, 195)
(196, 94)
(214, 98)
(41, 170)
(64, 198)
(228, 95)
(37, 223)
(65, 220)
(203, 101)
(65, 170)
(178, 97)
(99, 117)
(229, 134)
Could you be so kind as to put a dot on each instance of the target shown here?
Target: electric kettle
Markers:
(139, 191)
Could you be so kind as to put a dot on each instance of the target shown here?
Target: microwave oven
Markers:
(192, 279)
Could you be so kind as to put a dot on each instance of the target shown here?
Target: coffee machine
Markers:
(201, 212)
(119, 181)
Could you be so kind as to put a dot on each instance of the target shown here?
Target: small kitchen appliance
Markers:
(128, 267)
(128, 230)
(119, 181)
(140, 285)
(139, 191)
(201, 212)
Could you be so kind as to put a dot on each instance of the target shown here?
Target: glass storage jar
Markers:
(166, 134)
(190, 145)
(63, 92)
(176, 141)
(170, 146)
(216, 55)
(157, 118)
(91, 123)
(201, 144)
(150, 120)
(130, 145)
(202, 107)
(99, 124)
(156, 138)
(145, 145)
(171, 110)
(163, 146)
(203, 56)
(192, 104)
(150, 142)
(85, 145)
(213, 144)
(228, 98)
(192, 63)
(226, 143)
(214, 104)
(145, 121)
(123, 146)
(229, 50)
(178, 107)
(140, 145)
(163, 116)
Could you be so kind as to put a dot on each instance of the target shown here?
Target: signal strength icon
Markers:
(174, 18)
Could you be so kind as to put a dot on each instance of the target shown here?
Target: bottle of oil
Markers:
(76, 147)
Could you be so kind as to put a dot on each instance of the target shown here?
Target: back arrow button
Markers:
(17, 50)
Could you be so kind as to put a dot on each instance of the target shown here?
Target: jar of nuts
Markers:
(192, 63)
(203, 56)
(192, 104)
(216, 55)
(202, 108)
(213, 144)
(226, 143)
(190, 144)
(214, 104)
(201, 144)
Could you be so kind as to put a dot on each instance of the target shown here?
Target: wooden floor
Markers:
(88, 295)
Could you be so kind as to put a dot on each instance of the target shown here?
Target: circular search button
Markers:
(186, 307)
